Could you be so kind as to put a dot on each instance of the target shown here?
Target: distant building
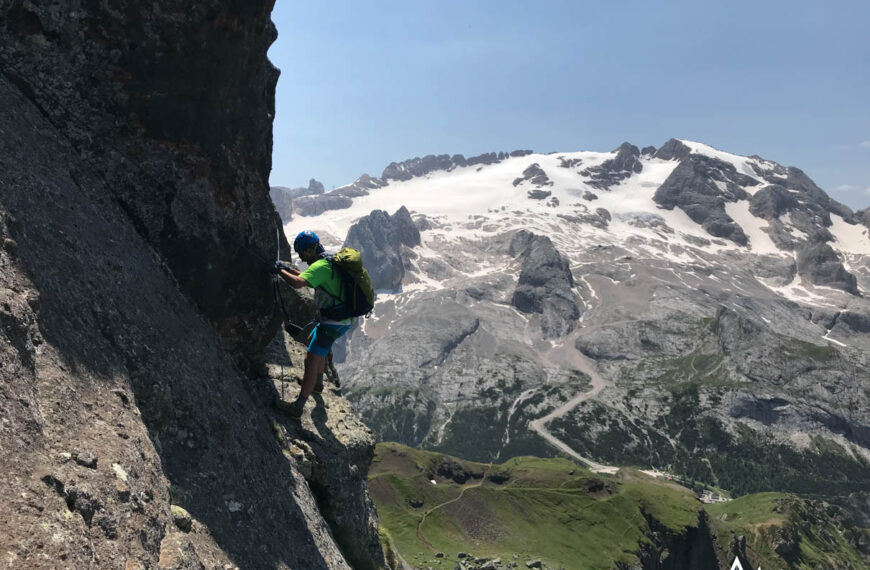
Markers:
(710, 497)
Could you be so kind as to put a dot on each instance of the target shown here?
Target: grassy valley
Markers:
(434, 508)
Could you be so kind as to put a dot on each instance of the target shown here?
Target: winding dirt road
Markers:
(567, 355)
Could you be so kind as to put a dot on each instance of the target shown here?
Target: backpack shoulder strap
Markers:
(332, 265)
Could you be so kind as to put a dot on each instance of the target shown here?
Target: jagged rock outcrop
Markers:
(600, 218)
(857, 322)
(807, 206)
(417, 166)
(612, 172)
(150, 116)
(820, 265)
(136, 224)
(313, 201)
(694, 547)
(673, 150)
(797, 180)
(692, 187)
(380, 238)
(331, 448)
(537, 194)
(484, 159)
(771, 202)
(316, 205)
(535, 175)
(544, 284)
(360, 186)
(314, 187)
(283, 197)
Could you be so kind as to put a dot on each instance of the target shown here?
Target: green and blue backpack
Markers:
(358, 297)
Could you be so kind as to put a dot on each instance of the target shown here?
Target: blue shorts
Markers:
(323, 336)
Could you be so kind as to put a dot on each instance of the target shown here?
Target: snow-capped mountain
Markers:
(680, 308)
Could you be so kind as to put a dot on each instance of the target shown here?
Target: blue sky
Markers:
(367, 83)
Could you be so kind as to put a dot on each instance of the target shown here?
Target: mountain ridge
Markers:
(717, 293)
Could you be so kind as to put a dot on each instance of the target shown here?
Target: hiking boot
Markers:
(293, 410)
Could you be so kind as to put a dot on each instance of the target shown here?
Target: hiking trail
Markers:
(426, 513)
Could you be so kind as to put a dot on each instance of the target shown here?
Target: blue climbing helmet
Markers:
(306, 240)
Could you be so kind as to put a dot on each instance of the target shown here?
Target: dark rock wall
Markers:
(117, 397)
(171, 105)
(282, 198)
(694, 547)
(673, 149)
(692, 187)
(545, 284)
(821, 265)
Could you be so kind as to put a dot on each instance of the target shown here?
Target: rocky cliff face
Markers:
(381, 238)
(170, 105)
(545, 284)
(135, 224)
(694, 186)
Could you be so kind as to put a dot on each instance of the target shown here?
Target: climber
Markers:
(327, 293)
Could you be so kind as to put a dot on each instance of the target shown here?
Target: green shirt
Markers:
(327, 286)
